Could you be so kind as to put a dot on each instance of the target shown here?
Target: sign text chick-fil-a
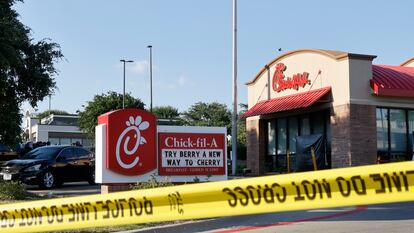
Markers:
(280, 82)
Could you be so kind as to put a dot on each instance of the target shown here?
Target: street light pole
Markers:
(234, 113)
(50, 102)
(123, 95)
(150, 49)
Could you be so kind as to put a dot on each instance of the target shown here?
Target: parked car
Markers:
(7, 154)
(51, 166)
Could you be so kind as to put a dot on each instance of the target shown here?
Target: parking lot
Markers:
(67, 190)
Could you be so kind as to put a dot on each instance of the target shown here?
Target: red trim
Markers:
(394, 81)
(374, 86)
(285, 103)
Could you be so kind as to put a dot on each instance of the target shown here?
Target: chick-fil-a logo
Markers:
(130, 140)
(280, 83)
(135, 125)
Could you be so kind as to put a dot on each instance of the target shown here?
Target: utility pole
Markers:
(123, 93)
(234, 114)
(150, 67)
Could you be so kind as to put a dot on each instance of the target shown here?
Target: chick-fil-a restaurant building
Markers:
(364, 111)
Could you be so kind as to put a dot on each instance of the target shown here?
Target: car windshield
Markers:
(42, 153)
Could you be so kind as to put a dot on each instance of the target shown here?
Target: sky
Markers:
(192, 43)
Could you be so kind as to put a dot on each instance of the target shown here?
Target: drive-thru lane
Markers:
(395, 217)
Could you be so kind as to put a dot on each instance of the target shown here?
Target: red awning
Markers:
(392, 81)
(285, 103)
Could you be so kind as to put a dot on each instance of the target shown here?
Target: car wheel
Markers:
(47, 180)
(91, 179)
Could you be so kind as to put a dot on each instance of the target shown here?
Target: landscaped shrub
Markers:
(152, 183)
(13, 191)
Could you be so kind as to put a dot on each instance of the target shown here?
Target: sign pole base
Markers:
(111, 188)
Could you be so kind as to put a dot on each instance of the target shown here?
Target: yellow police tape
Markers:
(328, 188)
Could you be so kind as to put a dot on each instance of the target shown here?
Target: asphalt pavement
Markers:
(67, 190)
(395, 218)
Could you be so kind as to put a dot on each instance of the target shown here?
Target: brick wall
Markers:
(354, 138)
(256, 145)
(363, 134)
(340, 141)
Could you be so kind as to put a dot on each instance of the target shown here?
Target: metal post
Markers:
(150, 47)
(123, 93)
(288, 161)
(234, 114)
(315, 166)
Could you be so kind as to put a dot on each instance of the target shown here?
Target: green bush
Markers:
(13, 191)
(207, 179)
(240, 169)
(50, 112)
(152, 183)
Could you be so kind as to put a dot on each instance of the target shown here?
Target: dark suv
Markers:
(51, 166)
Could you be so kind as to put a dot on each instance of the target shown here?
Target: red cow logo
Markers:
(130, 141)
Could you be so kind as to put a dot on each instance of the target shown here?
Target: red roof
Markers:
(285, 103)
(392, 81)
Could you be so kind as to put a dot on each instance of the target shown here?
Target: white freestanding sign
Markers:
(183, 154)
(186, 153)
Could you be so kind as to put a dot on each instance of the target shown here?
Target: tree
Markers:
(167, 115)
(241, 126)
(101, 104)
(166, 112)
(50, 112)
(208, 114)
(26, 71)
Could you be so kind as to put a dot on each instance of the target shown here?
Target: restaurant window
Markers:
(398, 128)
(281, 136)
(271, 138)
(410, 130)
(328, 136)
(65, 141)
(54, 141)
(318, 122)
(86, 142)
(304, 126)
(293, 133)
(76, 141)
(382, 129)
(393, 142)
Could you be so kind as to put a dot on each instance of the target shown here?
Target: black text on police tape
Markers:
(76, 212)
(317, 189)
